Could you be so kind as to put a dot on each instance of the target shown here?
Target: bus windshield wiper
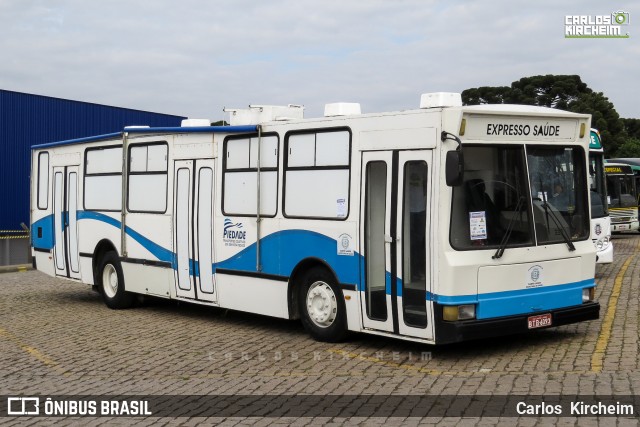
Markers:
(507, 233)
(556, 220)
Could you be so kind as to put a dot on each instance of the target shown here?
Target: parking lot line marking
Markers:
(34, 352)
(597, 358)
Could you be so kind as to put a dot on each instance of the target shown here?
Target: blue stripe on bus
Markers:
(299, 245)
(47, 241)
(42, 233)
(521, 301)
(162, 254)
(302, 244)
(509, 303)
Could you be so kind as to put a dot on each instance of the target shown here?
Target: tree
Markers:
(565, 92)
(630, 149)
(632, 127)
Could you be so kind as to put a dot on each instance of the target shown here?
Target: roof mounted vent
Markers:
(257, 114)
(194, 123)
(342, 109)
(440, 100)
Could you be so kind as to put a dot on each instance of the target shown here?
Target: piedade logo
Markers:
(233, 231)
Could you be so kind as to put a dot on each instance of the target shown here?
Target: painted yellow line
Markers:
(597, 357)
(34, 352)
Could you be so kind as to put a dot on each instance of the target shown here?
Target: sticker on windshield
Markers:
(478, 225)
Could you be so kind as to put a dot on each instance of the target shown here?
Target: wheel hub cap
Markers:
(321, 304)
(110, 280)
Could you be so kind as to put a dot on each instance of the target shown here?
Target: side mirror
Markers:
(454, 168)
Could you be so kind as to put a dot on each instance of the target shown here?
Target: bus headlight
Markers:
(602, 243)
(451, 313)
(588, 294)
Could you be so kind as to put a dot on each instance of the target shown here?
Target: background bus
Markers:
(600, 219)
(635, 168)
(622, 196)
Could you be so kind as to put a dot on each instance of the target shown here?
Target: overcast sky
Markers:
(192, 58)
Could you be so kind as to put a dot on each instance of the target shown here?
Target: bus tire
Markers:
(111, 283)
(322, 306)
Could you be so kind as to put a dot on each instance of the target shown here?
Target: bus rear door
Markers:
(193, 229)
(65, 221)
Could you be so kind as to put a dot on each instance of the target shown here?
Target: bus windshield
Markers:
(598, 188)
(621, 190)
(500, 204)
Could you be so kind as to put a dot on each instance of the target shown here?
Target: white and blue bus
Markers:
(600, 219)
(439, 224)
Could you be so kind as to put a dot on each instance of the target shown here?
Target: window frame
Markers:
(403, 228)
(249, 169)
(46, 206)
(166, 172)
(529, 204)
(85, 174)
(286, 168)
(583, 164)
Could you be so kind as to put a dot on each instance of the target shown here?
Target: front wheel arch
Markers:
(296, 279)
(321, 305)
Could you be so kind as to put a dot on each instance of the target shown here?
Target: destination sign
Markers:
(594, 142)
(519, 128)
(617, 169)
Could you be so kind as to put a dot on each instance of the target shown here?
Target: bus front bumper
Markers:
(633, 226)
(450, 332)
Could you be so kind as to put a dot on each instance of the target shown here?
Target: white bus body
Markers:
(600, 219)
(357, 230)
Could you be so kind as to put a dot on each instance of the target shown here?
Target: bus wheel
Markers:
(111, 283)
(322, 307)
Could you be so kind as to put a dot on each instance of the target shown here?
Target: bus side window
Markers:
(43, 180)
(316, 177)
(103, 178)
(240, 176)
(147, 186)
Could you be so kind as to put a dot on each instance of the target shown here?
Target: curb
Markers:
(15, 268)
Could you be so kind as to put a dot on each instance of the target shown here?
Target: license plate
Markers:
(539, 321)
(623, 227)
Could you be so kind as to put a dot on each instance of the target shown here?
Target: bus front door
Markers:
(65, 221)
(194, 186)
(395, 221)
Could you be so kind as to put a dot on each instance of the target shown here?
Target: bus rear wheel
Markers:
(111, 283)
(322, 307)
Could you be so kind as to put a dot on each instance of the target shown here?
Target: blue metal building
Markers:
(27, 120)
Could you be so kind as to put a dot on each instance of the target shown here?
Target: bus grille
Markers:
(622, 215)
